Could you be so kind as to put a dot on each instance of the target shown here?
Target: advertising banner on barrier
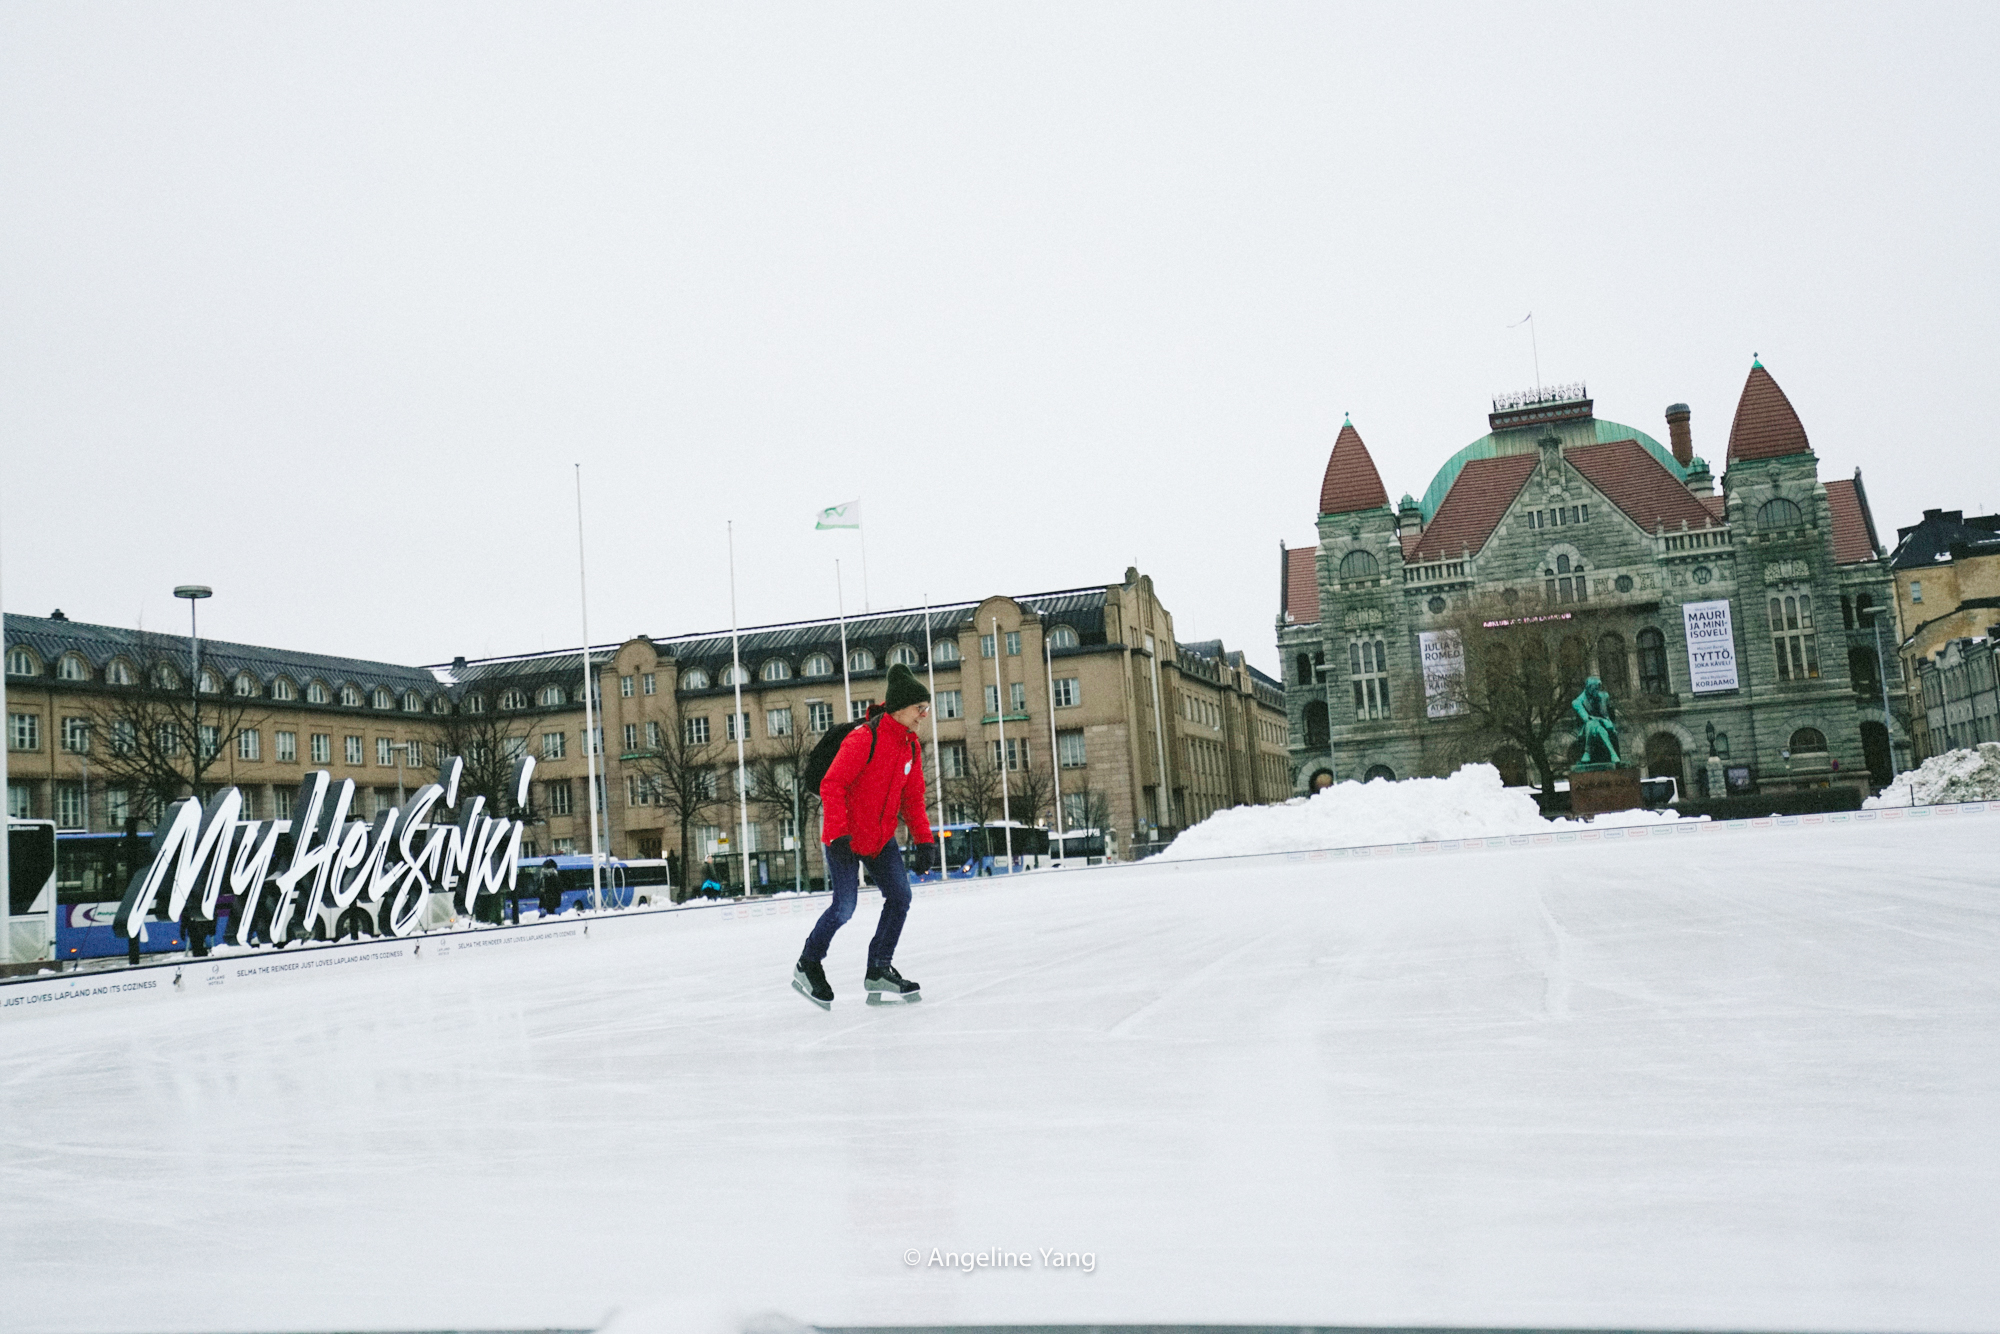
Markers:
(1443, 655)
(1711, 641)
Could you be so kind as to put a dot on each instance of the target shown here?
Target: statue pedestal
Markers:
(1594, 790)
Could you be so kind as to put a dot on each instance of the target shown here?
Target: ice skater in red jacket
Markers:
(877, 778)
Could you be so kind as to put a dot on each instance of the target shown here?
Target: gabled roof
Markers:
(1474, 506)
(1351, 482)
(1633, 480)
(1302, 586)
(1853, 528)
(1766, 427)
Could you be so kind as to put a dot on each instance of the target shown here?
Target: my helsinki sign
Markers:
(390, 867)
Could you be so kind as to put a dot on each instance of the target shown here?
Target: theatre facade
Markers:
(1734, 620)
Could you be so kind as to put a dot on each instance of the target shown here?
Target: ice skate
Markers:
(886, 986)
(809, 980)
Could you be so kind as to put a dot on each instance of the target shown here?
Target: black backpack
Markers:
(823, 754)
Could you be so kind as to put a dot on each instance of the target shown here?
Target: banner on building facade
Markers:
(1443, 654)
(1711, 641)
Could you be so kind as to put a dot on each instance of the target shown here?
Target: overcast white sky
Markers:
(319, 304)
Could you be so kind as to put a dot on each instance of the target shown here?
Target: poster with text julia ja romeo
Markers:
(1711, 646)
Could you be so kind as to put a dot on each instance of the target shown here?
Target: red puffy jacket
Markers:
(862, 797)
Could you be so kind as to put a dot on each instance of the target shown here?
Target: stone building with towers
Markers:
(1635, 549)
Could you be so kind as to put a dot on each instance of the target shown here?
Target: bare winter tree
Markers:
(1523, 665)
(975, 789)
(679, 777)
(777, 786)
(490, 743)
(154, 738)
(1030, 793)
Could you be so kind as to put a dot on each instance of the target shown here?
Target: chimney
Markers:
(1677, 433)
(458, 663)
(1409, 517)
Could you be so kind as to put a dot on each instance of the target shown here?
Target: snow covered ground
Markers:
(1971, 774)
(1733, 1080)
(1471, 803)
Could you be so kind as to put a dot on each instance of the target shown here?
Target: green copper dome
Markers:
(1483, 448)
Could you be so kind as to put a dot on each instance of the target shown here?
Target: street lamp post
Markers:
(195, 593)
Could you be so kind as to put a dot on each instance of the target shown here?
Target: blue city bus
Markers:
(970, 849)
(568, 883)
(92, 874)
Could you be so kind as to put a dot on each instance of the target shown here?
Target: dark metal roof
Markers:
(99, 644)
(1923, 544)
(1082, 609)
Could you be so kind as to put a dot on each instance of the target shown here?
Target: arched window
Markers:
(860, 660)
(817, 665)
(118, 673)
(383, 697)
(1562, 564)
(1653, 662)
(442, 704)
(1611, 662)
(777, 669)
(1573, 661)
(1809, 740)
(732, 675)
(903, 654)
(1062, 637)
(514, 699)
(282, 688)
(316, 692)
(73, 668)
(412, 702)
(1861, 669)
(211, 684)
(1780, 513)
(1359, 564)
(22, 662)
(552, 696)
(694, 678)
(1663, 757)
(1318, 737)
(1381, 771)
(944, 650)
(246, 685)
(350, 697)
(475, 704)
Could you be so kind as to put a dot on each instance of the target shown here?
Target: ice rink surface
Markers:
(1743, 1080)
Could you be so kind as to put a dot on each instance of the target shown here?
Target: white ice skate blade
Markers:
(894, 998)
(806, 991)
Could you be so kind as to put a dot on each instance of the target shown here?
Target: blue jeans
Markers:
(843, 869)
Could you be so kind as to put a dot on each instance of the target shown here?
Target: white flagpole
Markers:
(1055, 757)
(866, 604)
(846, 687)
(1000, 716)
(937, 754)
(589, 715)
(738, 724)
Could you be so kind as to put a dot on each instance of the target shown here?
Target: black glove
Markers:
(923, 858)
(843, 845)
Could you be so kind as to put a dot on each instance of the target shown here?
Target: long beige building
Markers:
(1087, 702)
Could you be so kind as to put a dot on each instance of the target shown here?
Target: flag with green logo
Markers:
(840, 516)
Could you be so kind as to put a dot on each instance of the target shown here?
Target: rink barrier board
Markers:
(170, 979)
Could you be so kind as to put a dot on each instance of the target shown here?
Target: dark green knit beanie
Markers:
(904, 689)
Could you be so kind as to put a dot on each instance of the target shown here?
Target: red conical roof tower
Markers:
(1351, 482)
(1765, 427)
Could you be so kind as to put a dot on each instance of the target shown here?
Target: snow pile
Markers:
(1472, 803)
(1972, 774)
